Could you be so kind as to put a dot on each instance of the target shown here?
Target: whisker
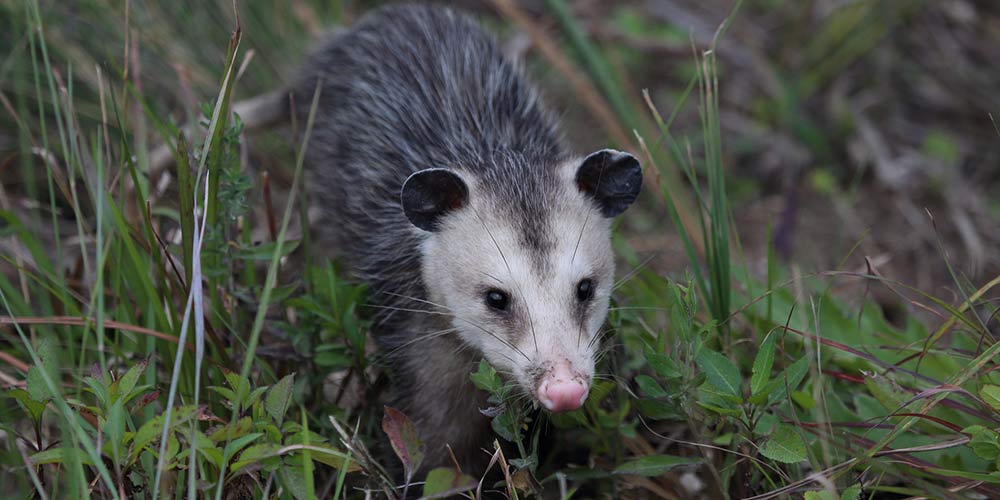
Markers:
(407, 309)
(531, 322)
(417, 299)
(488, 275)
(631, 274)
(597, 337)
(638, 308)
(506, 356)
(421, 338)
(579, 238)
(502, 341)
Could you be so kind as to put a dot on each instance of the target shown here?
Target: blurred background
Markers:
(864, 125)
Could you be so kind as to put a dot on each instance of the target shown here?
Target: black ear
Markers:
(429, 194)
(612, 178)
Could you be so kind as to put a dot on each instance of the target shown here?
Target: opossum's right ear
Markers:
(612, 178)
(429, 194)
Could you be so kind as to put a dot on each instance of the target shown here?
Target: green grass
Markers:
(153, 348)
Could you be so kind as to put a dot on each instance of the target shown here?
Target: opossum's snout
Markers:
(561, 389)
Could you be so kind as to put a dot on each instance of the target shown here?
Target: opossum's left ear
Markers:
(612, 178)
(429, 194)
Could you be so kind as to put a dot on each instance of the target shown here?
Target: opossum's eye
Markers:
(497, 299)
(585, 290)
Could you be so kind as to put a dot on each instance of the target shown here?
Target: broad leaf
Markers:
(404, 440)
(34, 408)
(991, 394)
(785, 445)
(279, 396)
(719, 371)
(763, 363)
(486, 378)
(663, 365)
(445, 482)
(788, 380)
(124, 385)
(650, 387)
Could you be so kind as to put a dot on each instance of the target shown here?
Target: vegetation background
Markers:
(807, 303)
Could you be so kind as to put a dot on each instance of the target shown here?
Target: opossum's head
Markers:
(520, 258)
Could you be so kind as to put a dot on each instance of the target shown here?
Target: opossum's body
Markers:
(498, 245)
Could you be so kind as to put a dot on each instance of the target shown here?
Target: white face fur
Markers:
(529, 292)
(554, 307)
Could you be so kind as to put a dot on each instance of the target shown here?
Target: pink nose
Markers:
(561, 390)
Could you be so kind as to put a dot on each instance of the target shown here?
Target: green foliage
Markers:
(447, 482)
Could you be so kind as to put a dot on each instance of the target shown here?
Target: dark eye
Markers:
(584, 290)
(497, 299)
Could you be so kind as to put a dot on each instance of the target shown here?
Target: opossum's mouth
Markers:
(562, 389)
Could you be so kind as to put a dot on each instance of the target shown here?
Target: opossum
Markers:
(444, 183)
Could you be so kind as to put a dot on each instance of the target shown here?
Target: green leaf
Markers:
(99, 387)
(256, 453)
(804, 400)
(334, 458)
(985, 442)
(211, 453)
(658, 410)
(114, 427)
(279, 396)
(154, 427)
(37, 388)
(719, 371)
(820, 495)
(993, 478)
(785, 445)
(404, 440)
(129, 379)
(49, 456)
(485, 378)
(650, 387)
(991, 394)
(253, 397)
(264, 251)
(851, 493)
(663, 365)
(763, 363)
(445, 482)
(56, 456)
(788, 381)
(227, 393)
(654, 465)
(292, 478)
(506, 426)
(34, 408)
(232, 430)
(888, 393)
(238, 444)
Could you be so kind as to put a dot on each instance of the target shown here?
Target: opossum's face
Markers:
(524, 266)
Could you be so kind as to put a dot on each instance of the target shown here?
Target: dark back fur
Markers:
(411, 87)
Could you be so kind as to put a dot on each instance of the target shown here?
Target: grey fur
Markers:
(406, 89)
